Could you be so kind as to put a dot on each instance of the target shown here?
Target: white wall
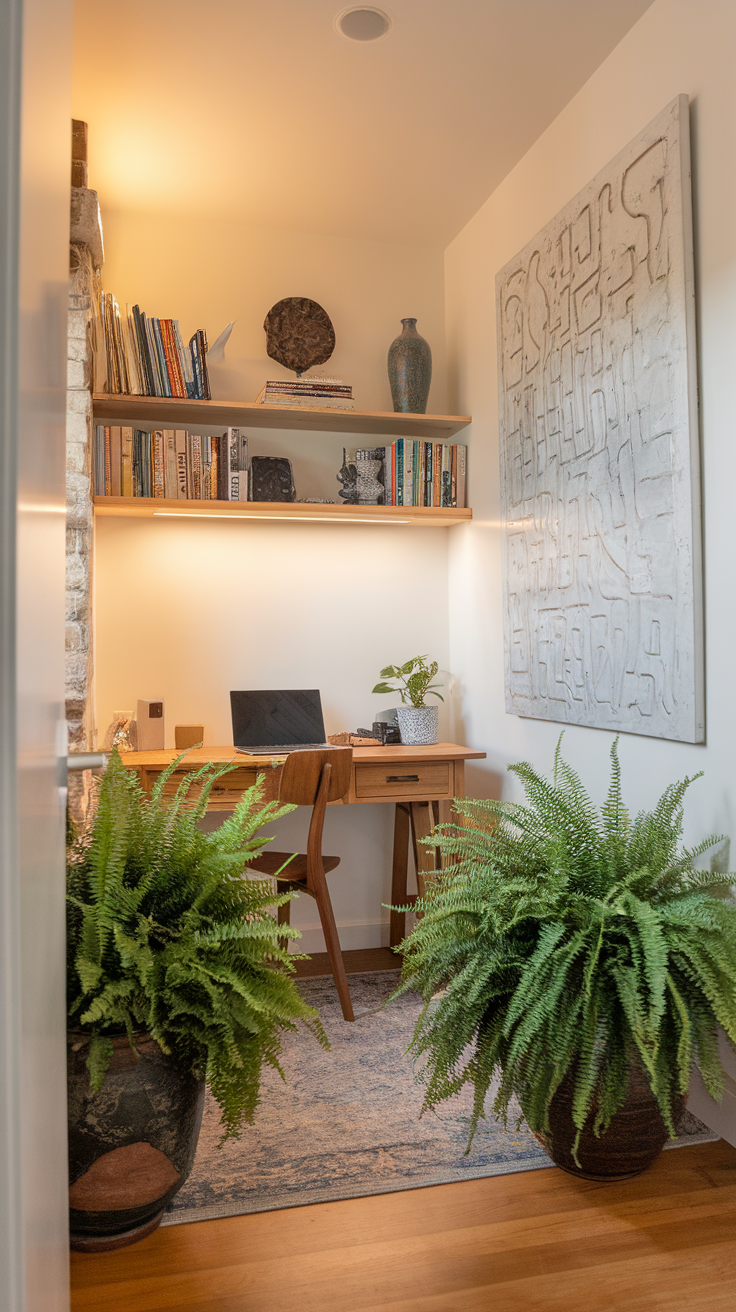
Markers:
(189, 610)
(678, 46)
(35, 95)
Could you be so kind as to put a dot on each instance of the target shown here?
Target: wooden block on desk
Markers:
(188, 735)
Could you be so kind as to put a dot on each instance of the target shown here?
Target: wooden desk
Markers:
(420, 781)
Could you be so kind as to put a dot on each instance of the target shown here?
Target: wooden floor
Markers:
(536, 1242)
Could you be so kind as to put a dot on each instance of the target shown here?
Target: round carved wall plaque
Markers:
(299, 333)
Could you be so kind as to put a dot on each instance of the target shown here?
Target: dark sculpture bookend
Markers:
(348, 476)
(271, 479)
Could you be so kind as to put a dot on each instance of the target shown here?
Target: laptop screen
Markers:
(264, 717)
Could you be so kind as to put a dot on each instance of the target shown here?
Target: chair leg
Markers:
(284, 917)
(332, 942)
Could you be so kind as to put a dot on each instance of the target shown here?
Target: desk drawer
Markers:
(420, 779)
(229, 788)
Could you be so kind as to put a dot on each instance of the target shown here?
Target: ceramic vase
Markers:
(634, 1139)
(419, 725)
(131, 1143)
(370, 488)
(410, 370)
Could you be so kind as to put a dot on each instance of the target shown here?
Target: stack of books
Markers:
(170, 464)
(138, 356)
(311, 393)
(417, 473)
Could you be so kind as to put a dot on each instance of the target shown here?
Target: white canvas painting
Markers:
(599, 452)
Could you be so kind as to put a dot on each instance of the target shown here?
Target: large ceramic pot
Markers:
(634, 1139)
(410, 370)
(418, 725)
(131, 1144)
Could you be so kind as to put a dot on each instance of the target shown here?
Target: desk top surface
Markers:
(197, 756)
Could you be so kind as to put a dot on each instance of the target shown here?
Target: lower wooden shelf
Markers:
(411, 516)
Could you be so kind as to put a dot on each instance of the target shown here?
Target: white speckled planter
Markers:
(419, 725)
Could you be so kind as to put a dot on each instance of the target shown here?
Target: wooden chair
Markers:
(313, 778)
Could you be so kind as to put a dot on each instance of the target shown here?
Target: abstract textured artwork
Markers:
(599, 452)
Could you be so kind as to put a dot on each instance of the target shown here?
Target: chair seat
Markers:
(268, 863)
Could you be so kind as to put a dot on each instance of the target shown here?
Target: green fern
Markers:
(167, 936)
(564, 939)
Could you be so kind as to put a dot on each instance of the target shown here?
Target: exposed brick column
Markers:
(85, 260)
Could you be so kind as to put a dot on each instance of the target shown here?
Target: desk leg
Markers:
(399, 894)
(424, 817)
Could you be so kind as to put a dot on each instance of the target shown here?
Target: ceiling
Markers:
(260, 112)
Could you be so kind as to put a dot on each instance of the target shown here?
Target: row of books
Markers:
(310, 393)
(170, 463)
(140, 356)
(417, 473)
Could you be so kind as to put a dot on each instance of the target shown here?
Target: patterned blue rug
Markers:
(346, 1122)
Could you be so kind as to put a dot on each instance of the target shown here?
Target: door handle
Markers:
(402, 778)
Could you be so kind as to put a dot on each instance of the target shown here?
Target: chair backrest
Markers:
(302, 771)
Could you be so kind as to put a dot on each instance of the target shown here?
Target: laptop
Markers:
(270, 722)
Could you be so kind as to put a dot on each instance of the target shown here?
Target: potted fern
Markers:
(176, 980)
(579, 961)
(418, 723)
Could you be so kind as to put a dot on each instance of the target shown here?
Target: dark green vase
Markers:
(410, 370)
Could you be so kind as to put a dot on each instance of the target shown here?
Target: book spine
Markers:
(181, 464)
(161, 351)
(206, 456)
(108, 464)
(234, 444)
(159, 464)
(142, 351)
(115, 459)
(185, 362)
(166, 343)
(136, 463)
(462, 457)
(453, 475)
(196, 459)
(223, 467)
(214, 468)
(202, 338)
(147, 465)
(171, 490)
(100, 461)
(243, 485)
(399, 485)
(393, 474)
(437, 474)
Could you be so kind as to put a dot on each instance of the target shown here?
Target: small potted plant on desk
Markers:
(176, 980)
(581, 959)
(418, 723)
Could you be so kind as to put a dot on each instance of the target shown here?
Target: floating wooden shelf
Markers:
(413, 516)
(248, 414)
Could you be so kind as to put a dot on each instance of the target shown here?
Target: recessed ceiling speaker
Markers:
(363, 23)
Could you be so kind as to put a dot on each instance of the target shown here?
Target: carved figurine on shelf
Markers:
(348, 476)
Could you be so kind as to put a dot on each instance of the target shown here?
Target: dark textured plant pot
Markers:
(410, 370)
(131, 1145)
(634, 1139)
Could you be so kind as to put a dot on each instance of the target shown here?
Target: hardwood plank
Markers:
(172, 413)
(541, 1241)
(356, 961)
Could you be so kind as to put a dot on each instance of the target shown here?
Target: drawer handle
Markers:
(402, 778)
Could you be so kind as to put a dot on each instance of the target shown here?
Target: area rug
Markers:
(346, 1123)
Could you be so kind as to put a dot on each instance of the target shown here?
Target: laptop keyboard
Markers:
(276, 749)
